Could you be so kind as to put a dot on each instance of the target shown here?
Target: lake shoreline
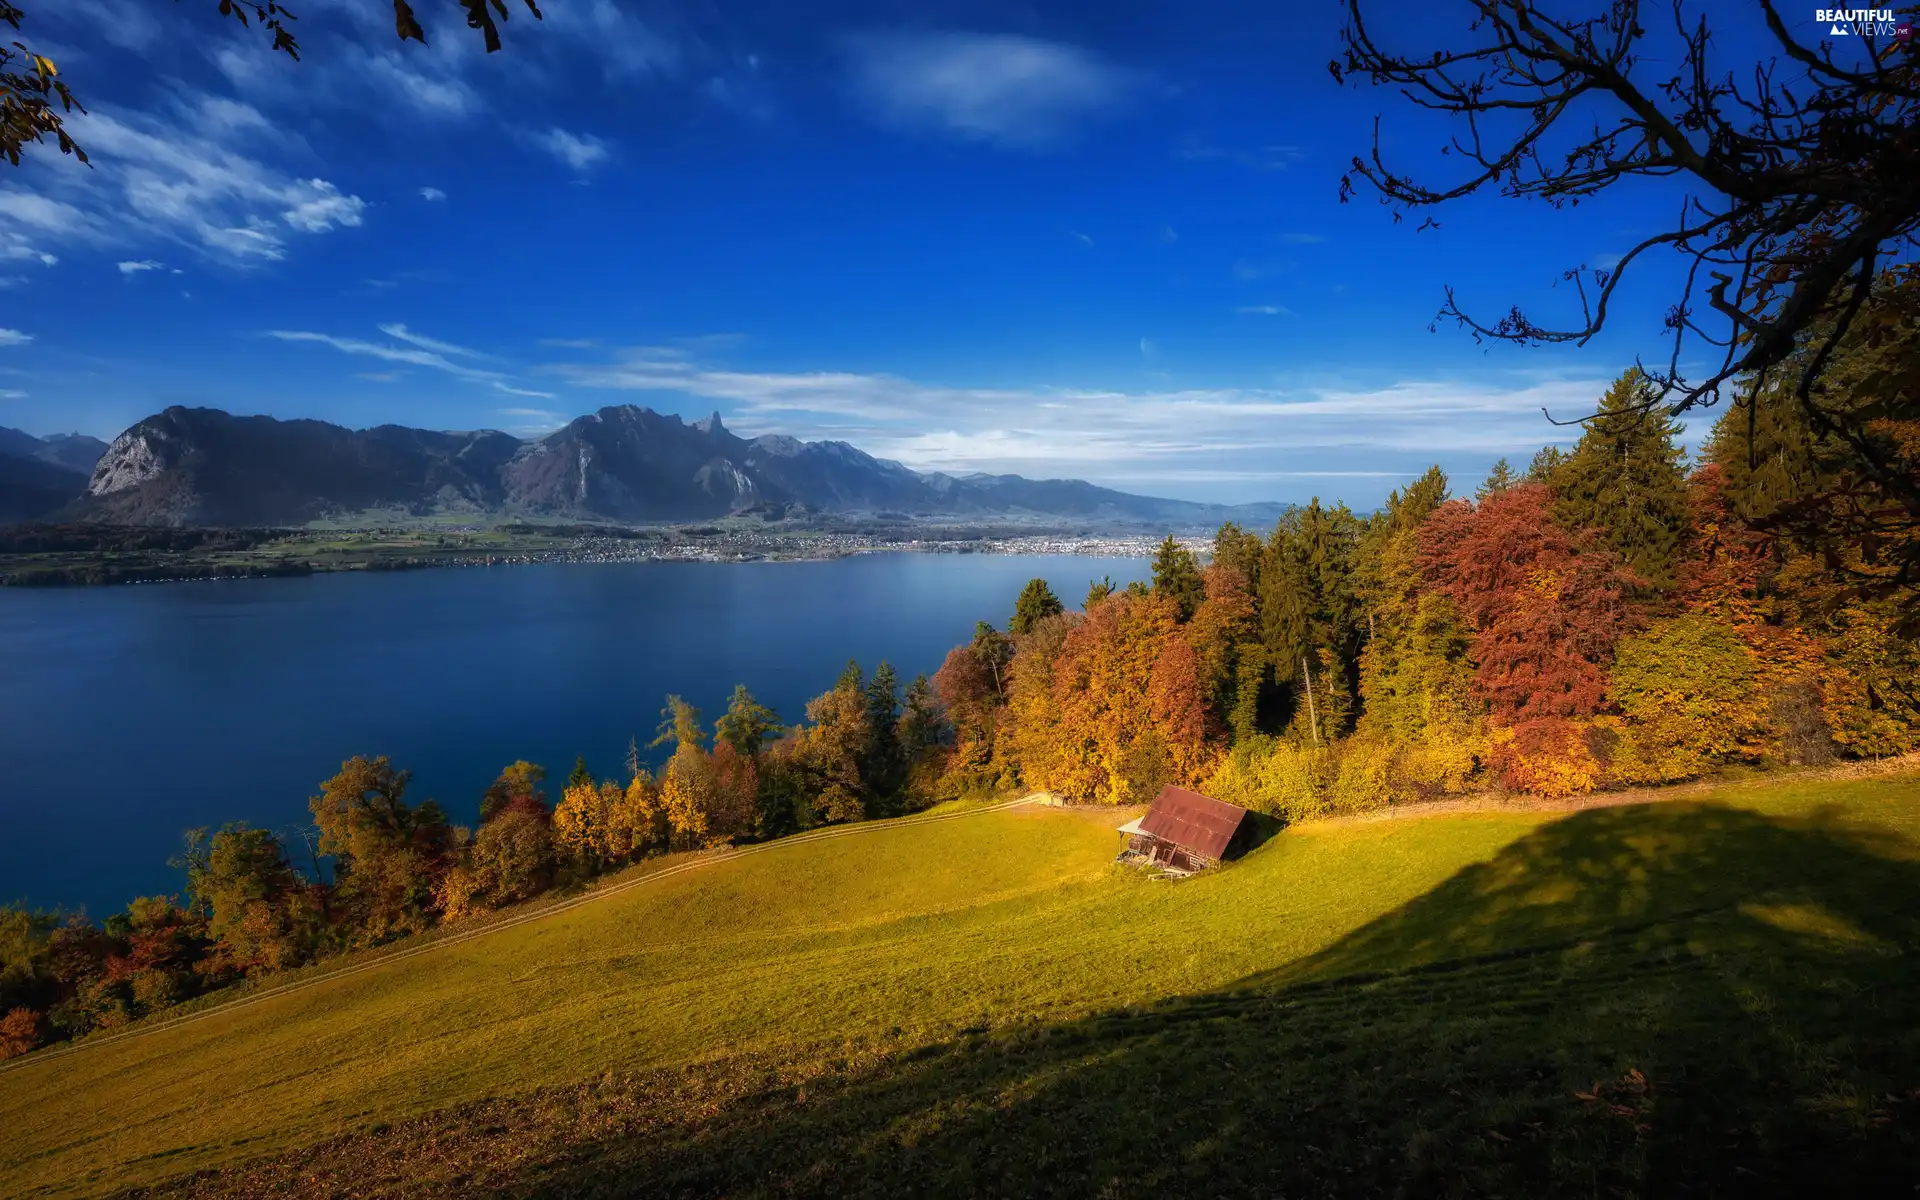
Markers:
(302, 554)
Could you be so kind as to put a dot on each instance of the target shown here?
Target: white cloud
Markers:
(528, 412)
(1265, 310)
(135, 268)
(12, 394)
(997, 88)
(1082, 238)
(189, 174)
(582, 152)
(414, 350)
(1215, 443)
(13, 337)
(432, 194)
(401, 333)
(411, 355)
(324, 208)
(1272, 157)
(515, 391)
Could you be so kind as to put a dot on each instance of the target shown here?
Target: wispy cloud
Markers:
(195, 172)
(12, 394)
(413, 349)
(532, 422)
(1265, 310)
(432, 194)
(1082, 238)
(1001, 89)
(411, 355)
(135, 268)
(400, 333)
(580, 151)
(1271, 157)
(1203, 439)
(13, 337)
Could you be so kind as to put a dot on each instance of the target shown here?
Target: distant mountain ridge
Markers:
(38, 475)
(203, 466)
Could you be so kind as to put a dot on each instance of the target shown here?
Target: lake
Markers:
(130, 714)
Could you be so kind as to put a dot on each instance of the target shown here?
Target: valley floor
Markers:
(1711, 994)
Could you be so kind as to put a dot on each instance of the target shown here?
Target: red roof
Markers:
(1195, 823)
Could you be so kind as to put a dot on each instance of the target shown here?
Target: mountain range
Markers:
(39, 475)
(203, 466)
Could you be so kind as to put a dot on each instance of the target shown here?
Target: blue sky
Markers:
(1101, 242)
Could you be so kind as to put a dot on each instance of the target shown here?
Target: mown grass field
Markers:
(1715, 994)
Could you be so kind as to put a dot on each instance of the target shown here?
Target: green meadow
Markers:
(1716, 993)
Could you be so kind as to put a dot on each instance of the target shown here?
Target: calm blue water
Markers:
(129, 714)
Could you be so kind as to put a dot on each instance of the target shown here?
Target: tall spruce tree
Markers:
(1239, 550)
(1499, 479)
(580, 776)
(1177, 576)
(1036, 603)
(883, 768)
(747, 724)
(1625, 479)
(1545, 465)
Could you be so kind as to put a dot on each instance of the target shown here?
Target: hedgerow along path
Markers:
(1006, 923)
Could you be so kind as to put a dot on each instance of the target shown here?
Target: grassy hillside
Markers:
(1412, 1004)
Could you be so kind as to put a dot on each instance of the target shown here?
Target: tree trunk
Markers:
(1313, 715)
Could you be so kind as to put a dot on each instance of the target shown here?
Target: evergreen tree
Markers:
(1239, 550)
(852, 679)
(1177, 576)
(882, 768)
(680, 727)
(1307, 602)
(919, 725)
(747, 724)
(1498, 480)
(994, 651)
(1036, 603)
(1624, 478)
(1097, 591)
(1546, 465)
(580, 776)
(1285, 597)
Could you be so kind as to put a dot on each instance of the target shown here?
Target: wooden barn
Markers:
(1185, 832)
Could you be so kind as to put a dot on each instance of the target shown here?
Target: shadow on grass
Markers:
(1666, 1000)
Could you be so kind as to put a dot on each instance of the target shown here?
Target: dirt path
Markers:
(1507, 803)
